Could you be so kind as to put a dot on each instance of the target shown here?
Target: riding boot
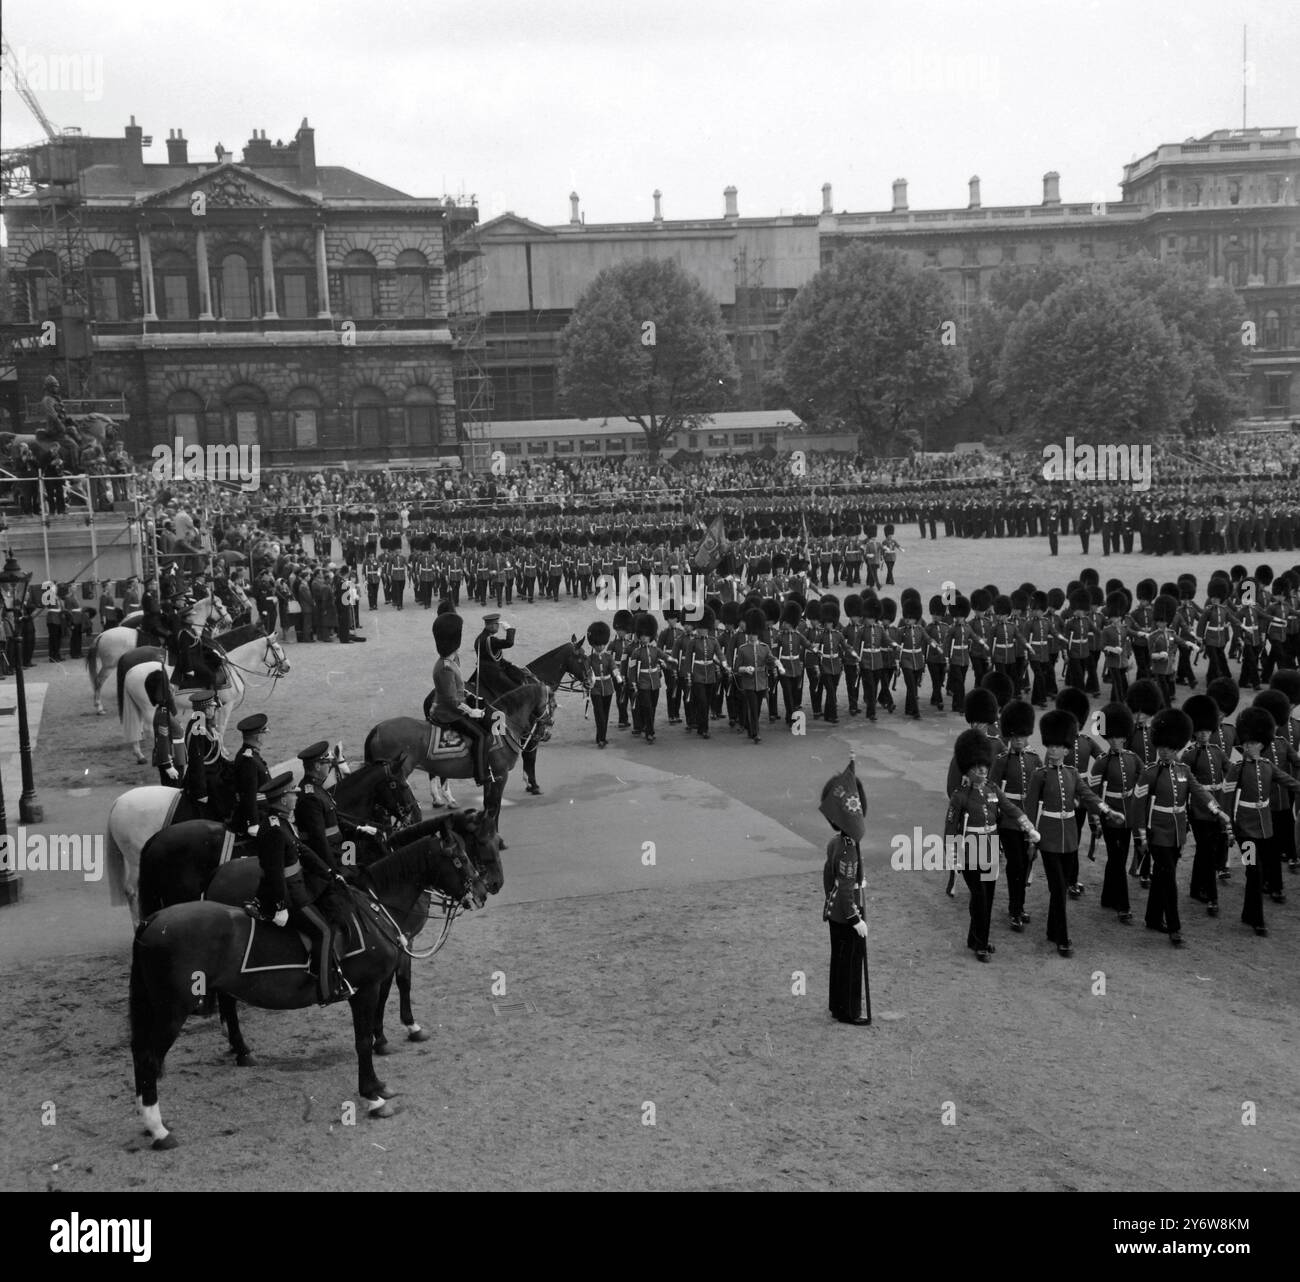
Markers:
(324, 968)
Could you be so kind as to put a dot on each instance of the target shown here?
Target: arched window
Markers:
(359, 292)
(412, 284)
(185, 418)
(1273, 270)
(304, 418)
(235, 295)
(420, 410)
(42, 284)
(1236, 272)
(370, 417)
(246, 410)
(173, 273)
(1272, 329)
(295, 281)
(106, 292)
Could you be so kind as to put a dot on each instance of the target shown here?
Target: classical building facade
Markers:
(267, 300)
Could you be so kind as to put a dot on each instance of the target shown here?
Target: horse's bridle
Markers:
(451, 907)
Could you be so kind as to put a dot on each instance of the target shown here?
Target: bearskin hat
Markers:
(973, 748)
(1237, 572)
(1027, 588)
(980, 600)
(889, 609)
(1118, 721)
(448, 629)
(1002, 606)
(1055, 598)
(1146, 590)
(731, 613)
(779, 561)
(1089, 577)
(1203, 711)
(1020, 600)
(1116, 605)
(993, 591)
(1217, 589)
(1264, 575)
(1095, 597)
(771, 610)
(912, 608)
(1038, 600)
(1079, 599)
(1114, 585)
(961, 607)
(647, 626)
(1275, 703)
(791, 614)
(1282, 584)
(1288, 681)
(1076, 703)
(830, 611)
(715, 603)
(1186, 587)
(796, 598)
(853, 606)
(598, 633)
(1165, 608)
(982, 707)
(755, 623)
(623, 621)
(1256, 725)
(1017, 718)
(155, 686)
(889, 530)
(708, 620)
(936, 604)
(1145, 696)
(1001, 685)
(1168, 589)
(1172, 728)
(1058, 729)
(1226, 693)
(871, 607)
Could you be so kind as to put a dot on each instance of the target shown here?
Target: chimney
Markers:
(974, 193)
(729, 195)
(178, 147)
(306, 140)
(827, 207)
(1052, 188)
(133, 153)
(659, 213)
(257, 150)
(900, 195)
(575, 218)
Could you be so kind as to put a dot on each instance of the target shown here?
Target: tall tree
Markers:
(646, 343)
(864, 343)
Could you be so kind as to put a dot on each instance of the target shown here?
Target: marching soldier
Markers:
(854, 632)
(648, 659)
(1113, 776)
(706, 665)
(754, 666)
(830, 658)
(790, 646)
(1209, 767)
(602, 677)
(622, 644)
(1013, 766)
(671, 642)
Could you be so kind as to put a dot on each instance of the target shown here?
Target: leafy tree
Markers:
(646, 343)
(863, 343)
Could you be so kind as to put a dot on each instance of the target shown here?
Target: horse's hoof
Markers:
(384, 1048)
(246, 1060)
(384, 1110)
(99, 712)
(417, 1035)
(162, 1145)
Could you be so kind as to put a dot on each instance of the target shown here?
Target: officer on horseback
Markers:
(315, 816)
(496, 675)
(251, 775)
(449, 702)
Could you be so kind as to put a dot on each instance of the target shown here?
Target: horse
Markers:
(189, 861)
(516, 718)
(237, 649)
(105, 650)
(203, 947)
(371, 794)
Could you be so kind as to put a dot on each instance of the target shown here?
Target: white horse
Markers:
(239, 649)
(141, 812)
(110, 645)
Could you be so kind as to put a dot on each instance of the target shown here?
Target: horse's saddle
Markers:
(272, 947)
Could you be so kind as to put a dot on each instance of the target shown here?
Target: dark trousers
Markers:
(981, 907)
(771, 699)
(621, 700)
(372, 595)
(1162, 902)
(792, 693)
(886, 696)
(936, 684)
(399, 590)
(830, 691)
(1074, 673)
(701, 701)
(1015, 856)
(1038, 691)
(1252, 908)
(1058, 931)
(735, 704)
(852, 679)
(752, 704)
(815, 691)
(1249, 665)
(1118, 685)
(848, 970)
(1210, 846)
(1114, 885)
(957, 686)
(674, 697)
(600, 706)
(1282, 847)
(911, 680)
(647, 702)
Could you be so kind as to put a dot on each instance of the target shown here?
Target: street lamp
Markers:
(13, 597)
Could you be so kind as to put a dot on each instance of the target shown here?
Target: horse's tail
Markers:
(116, 862)
(148, 1063)
(369, 740)
(148, 895)
(92, 661)
(121, 688)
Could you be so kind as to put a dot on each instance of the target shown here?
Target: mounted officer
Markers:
(202, 751)
(495, 674)
(251, 775)
(315, 816)
(450, 706)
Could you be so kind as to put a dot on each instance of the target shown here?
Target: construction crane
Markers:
(24, 90)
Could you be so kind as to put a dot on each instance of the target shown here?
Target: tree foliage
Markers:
(646, 343)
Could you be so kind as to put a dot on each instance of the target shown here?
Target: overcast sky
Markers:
(521, 102)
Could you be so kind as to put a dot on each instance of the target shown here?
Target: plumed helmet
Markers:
(1118, 721)
(981, 707)
(755, 623)
(1203, 711)
(1288, 681)
(1058, 729)
(1144, 696)
(973, 748)
(1255, 725)
(1017, 719)
(1079, 599)
(1172, 728)
(912, 608)
(1146, 590)
(1116, 605)
(647, 626)
(708, 620)
(623, 621)
(598, 633)
(936, 604)
(889, 609)
(1226, 693)
(731, 613)
(1001, 686)
(830, 611)
(871, 607)
(1075, 702)
(980, 600)
(448, 629)
(791, 614)
(1217, 589)
(1020, 600)
(1055, 598)
(1275, 703)
(853, 606)
(1002, 606)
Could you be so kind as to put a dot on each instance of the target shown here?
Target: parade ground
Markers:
(644, 1004)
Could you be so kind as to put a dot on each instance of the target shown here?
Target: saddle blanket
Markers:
(444, 742)
(272, 947)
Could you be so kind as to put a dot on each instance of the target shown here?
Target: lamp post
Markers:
(13, 595)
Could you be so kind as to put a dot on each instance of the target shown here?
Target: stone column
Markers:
(146, 277)
(205, 281)
(268, 277)
(323, 310)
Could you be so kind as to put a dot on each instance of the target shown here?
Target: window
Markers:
(105, 285)
(304, 419)
(717, 440)
(694, 441)
(1234, 193)
(368, 414)
(421, 413)
(236, 291)
(1277, 391)
(1237, 272)
(564, 447)
(616, 445)
(1273, 270)
(1193, 193)
(412, 274)
(742, 438)
(1272, 329)
(358, 276)
(767, 438)
(591, 447)
(1171, 242)
(537, 447)
(183, 417)
(1008, 253)
(42, 283)
(1085, 249)
(510, 447)
(294, 277)
(172, 274)
(1275, 184)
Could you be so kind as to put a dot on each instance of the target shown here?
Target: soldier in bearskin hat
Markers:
(1013, 767)
(702, 666)
(603, 677)
(844, 803)
(646, 660)
(624, 625)
(1113, 777)
(830, 658)
(1283, 757)
(755, 666)
(451, 705)
(790, 646)
(1209, 767)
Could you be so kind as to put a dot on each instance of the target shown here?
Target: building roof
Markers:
(539, 429)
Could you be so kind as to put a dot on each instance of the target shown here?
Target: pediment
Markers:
(507, 225)
(231, 186)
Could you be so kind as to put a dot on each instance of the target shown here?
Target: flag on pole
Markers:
(713, 547)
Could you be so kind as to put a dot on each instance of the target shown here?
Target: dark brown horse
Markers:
(186, 953)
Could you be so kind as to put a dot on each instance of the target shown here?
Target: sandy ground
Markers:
(675, 986)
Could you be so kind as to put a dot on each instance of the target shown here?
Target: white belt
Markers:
(1057, 814)
(1255, 805)
(981, 832)
(1013, 796)
(1112, 792)
(1166, 810)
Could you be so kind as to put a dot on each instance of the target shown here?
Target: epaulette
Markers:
(306, 790)
(273, 821)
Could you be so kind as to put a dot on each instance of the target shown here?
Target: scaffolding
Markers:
(473, 387)
(749, 321)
